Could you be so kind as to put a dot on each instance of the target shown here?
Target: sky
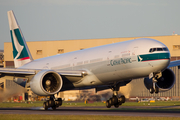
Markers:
(45, 20)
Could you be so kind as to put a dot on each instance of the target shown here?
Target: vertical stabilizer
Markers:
(21, 52)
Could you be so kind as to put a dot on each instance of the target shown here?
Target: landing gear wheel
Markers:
(58, 102)
(51, 102)
(45, 106)
(54, 107)
(47, 103)
(114, 100)
(120, 103)
(151, 90)
(116, 105)
(108, 105)
(156, 90)
(122, 99)
(110, 101)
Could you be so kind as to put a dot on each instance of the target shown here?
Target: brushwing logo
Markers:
(139, 58)
(19, 53)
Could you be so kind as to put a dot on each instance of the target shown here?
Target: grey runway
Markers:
(93, 111)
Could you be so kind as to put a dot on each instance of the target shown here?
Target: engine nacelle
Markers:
(46, 82)
(164, 83)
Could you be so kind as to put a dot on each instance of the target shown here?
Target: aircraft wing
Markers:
(174, 63)
(13, 72)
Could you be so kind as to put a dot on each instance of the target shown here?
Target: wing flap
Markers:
(77, 73)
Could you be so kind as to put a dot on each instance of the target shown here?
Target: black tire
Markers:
(58, 102)
(45, 106)
(122, 99)
(110, 101)
(116, 105)
(54, 107)
(60, 99)
(47, 103)
(151, 90)
(108, 105)
(120, 103)
(114, 100)
(51, 103)
(156, 90)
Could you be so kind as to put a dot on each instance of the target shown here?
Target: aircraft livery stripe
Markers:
(24, 53)
(25, 58)
(15, 52)
(154, 56)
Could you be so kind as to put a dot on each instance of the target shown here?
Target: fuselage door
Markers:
(109, 57)
(134, 54)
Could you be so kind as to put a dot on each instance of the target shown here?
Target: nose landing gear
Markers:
(155, 77)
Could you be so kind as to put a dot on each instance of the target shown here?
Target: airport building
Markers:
(136, 88)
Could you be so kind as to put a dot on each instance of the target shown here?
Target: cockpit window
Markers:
(158, 49)
(150, 50)
(154, 49)
(165, 49)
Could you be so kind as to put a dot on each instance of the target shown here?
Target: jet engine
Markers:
(164, 83)
(46, 82)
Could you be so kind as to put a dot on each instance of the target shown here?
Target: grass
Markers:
(20, 104)
(78, 117)
(82, 104)
(157, 103)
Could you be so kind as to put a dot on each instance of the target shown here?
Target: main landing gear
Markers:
(115, 100)
(53, 103)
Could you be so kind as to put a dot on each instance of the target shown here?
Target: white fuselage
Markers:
(110, 63)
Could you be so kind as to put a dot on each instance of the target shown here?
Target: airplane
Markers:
(103, 67)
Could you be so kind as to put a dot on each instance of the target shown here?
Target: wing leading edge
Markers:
(13, 72)
(174, 63)
(26, 72)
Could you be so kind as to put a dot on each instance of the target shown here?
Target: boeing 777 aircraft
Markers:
(104, 67)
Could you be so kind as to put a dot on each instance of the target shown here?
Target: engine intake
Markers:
(164, 83)
(46, 82)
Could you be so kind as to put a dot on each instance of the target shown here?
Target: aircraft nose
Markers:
(166, 59)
